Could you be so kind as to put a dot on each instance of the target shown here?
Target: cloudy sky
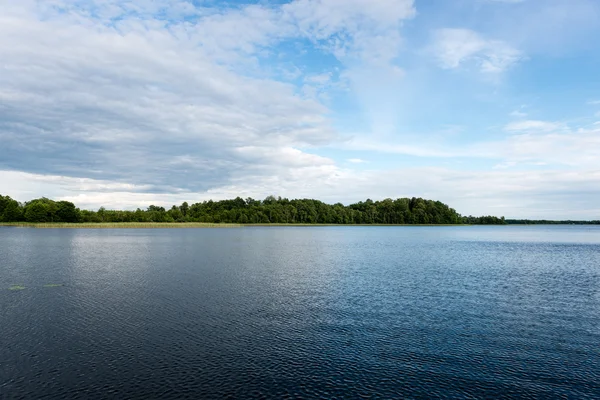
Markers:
(491, 106)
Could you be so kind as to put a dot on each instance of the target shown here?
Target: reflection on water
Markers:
(329, 312)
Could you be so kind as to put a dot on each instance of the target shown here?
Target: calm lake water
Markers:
(301, 312)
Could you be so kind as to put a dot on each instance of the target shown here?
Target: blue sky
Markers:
(492, 106)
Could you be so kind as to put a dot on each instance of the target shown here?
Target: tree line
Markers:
(271, 210)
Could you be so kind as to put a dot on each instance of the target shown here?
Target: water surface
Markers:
(301, 312)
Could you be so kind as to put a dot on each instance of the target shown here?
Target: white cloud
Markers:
(85, 97)
(364, 36)
(320, 79)
(167, 97)
(411, 149)
(323, 19)
(356, 160)
(530, 142)
(550, 27)
(548, 143)
(456, 48)
(518, 114)
(505, 165)
(282, 156)
(533, 125)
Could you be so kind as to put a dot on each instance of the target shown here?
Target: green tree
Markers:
(271, 210)
(10, 210)
(66, 212)
(184, 208)
(37, 211)
(175, 213)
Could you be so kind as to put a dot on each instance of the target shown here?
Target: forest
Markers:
(271, 210)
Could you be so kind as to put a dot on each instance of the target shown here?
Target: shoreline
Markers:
(181, 225)
(116, 225)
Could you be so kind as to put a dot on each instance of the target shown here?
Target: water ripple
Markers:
(289, 313)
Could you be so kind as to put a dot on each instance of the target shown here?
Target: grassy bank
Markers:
(356, 225)
(119, 225)
(163, 225)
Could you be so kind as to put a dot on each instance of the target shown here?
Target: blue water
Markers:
(301, 312)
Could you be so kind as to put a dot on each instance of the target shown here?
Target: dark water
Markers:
(324, 312)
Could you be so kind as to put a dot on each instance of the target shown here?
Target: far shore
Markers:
(171, 225)
(118, 225)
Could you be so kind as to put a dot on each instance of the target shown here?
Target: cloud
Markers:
(97, 88)
(356, 160)
(456, 48)
(90, 91)
(421, 149)
(533, 125)
(505, 165)
(518, 114)
(320, 79)
(547, 143)
(528, 142)
(284, 156)
(323, 20)
(364, 36)
(549, 27)
(115, 101)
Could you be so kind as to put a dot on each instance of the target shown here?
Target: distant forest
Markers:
(250, 211)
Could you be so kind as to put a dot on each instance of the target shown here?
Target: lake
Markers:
(301, 312)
